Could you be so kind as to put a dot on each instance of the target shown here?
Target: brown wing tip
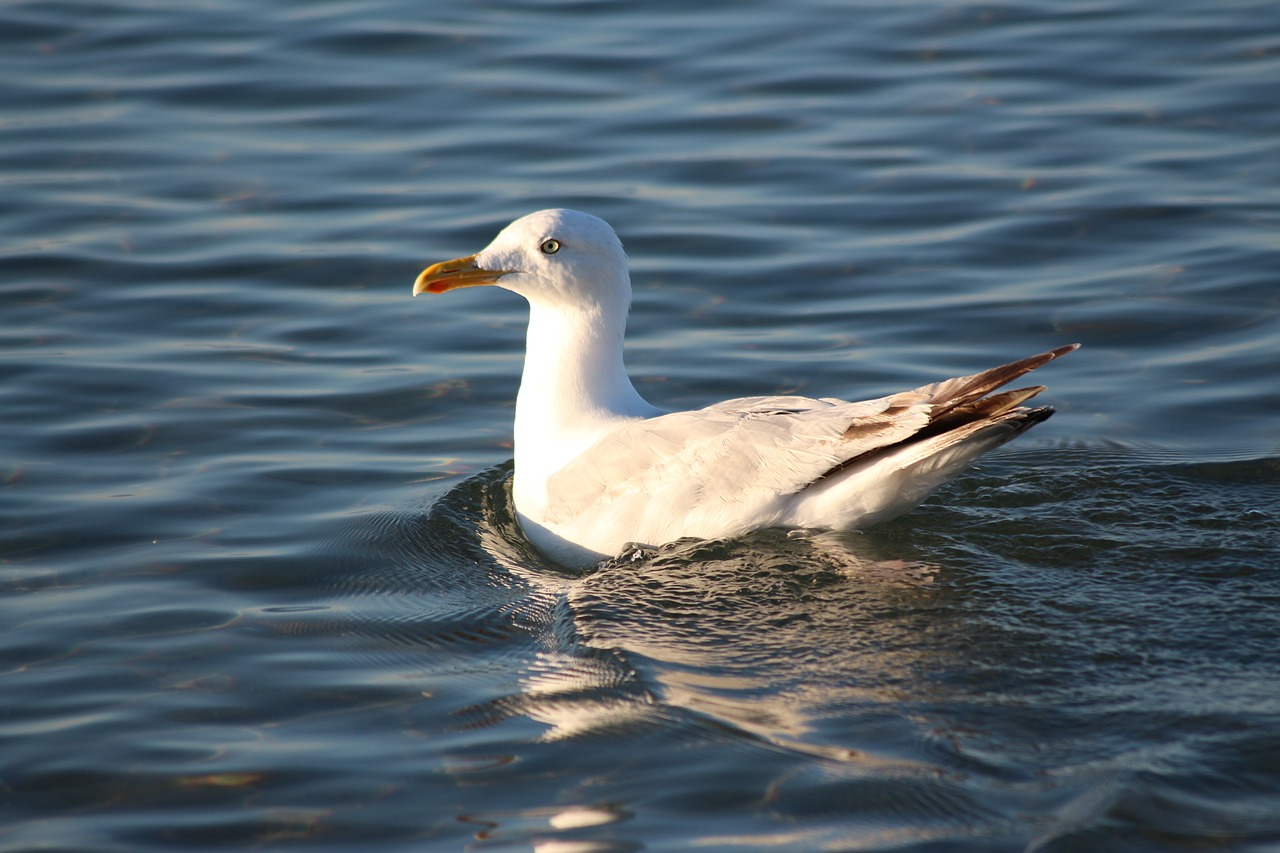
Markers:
(963, 391)
(1035, 361)
(1009, 399)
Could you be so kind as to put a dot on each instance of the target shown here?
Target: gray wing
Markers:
(745, 455)
(741, 452)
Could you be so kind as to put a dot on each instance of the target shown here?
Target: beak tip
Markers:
(450, 275)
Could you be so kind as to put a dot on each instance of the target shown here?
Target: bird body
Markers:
(597, 467)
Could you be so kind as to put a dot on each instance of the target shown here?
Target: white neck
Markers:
(574, 387)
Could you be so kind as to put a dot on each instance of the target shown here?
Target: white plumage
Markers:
(597, 467)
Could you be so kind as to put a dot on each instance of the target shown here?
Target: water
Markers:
(260, 584)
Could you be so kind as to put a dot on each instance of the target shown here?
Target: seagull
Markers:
(598, 469)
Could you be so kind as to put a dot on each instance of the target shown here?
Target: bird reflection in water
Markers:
(766, 635)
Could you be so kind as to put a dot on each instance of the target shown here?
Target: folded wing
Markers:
(746, 463)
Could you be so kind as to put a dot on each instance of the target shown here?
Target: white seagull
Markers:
(597, 467)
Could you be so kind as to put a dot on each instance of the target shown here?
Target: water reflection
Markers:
(552, 830)
(932, 696)
(766, 636)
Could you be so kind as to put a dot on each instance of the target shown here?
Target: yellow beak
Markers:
(450, 275)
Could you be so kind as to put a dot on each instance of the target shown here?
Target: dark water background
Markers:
(259, 584)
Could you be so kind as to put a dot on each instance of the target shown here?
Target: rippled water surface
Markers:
(260, 587)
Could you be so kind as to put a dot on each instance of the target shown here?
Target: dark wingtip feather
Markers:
(957, 393)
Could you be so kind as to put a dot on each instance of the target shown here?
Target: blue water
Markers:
(259, 583)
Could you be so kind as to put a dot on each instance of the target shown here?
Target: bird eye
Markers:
(550, 247)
